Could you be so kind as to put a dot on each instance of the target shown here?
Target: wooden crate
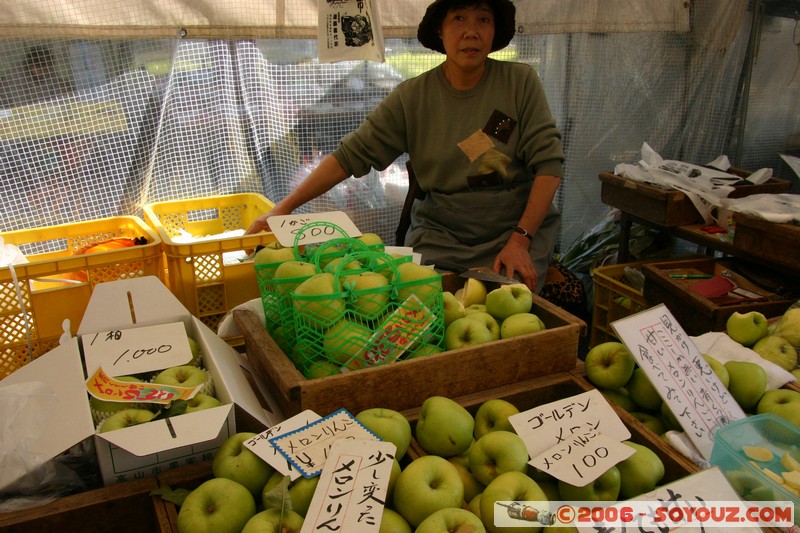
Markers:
(406, 384)
(669, 207)
(528, 394)
(695, 313)
(126, 507)
(777, 243)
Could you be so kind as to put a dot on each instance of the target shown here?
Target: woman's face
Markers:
(467, 34)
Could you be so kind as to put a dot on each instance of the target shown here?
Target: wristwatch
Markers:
(523, 231)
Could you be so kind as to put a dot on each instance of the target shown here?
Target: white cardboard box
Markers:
(150, 448)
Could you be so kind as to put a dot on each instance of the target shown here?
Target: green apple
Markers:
(642, 391)
(510, 486)
(474, 505)
(289, 274)
(235, 461)
(492, 415)
(423, 350)
(472, 293)
(344, 340)
(321, 369)
(301, 490)
(444, 427)
(509, 300)
(182, 376)
(200, 402)
(788, 326)
(650, 421)
(342, 265)
(427, 484)
(372, 240)
(521, 324)
(719, 369)
(621, 397)
(318, 300)
(276, 491)
(393, 477)
(475, 308)
(604, 488)
(197, 355)
(451, 519)
(489, 321)
(746, 328)
(782, 402)
(471, 485)
(609, 365)
(465, 332)
(274, 520)
(495, 453)
(796, 374)
(777, 350)
(371, 293)
(389, 425)
(125, 418)
(393, 522)
(453, 308)
(422, 281)
(748, 382)
(219, 505)
(273, 253)
(640, 472)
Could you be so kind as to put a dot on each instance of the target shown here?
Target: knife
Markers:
(487, 274)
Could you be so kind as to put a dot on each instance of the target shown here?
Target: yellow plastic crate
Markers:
(614, 298)
(197, 271)
(57, 282)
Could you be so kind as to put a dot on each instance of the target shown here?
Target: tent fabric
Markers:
(245, 19)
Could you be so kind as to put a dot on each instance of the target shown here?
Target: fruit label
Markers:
(575, 439)
(354, 483)
(307, 448)
(104, 387)
(125, 352)
(680, 374)
(312, 228)
(395, 336)
(261, 446)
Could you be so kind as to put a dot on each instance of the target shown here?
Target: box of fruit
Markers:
(153, 385)
(404, 384)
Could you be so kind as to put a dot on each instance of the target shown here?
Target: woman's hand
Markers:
(262, 222)
(516, 260)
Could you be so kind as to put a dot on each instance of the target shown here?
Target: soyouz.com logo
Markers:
(645, 514)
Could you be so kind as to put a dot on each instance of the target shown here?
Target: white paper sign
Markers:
(353, 487)
(349, 30)
(261, 446)
(326, 227)
(307, 448)
(125, 352)
(550, 424)
(582, 458)
(680, 374)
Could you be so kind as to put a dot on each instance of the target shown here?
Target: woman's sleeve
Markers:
(540, 139)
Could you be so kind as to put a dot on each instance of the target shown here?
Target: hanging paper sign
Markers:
(680, 374)
(349, 30)
(353, 487)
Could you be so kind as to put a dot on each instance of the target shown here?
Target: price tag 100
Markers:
(133, 351)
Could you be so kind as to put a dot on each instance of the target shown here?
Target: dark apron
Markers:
(457, 231)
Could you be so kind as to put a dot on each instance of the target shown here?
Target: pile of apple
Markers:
(323, 309)
(109, 415)
(473, 316)
(469, 462)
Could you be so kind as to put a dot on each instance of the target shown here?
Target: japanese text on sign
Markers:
(327, 226)
(104, 387)
(680, 374)
(307, 447)
(352, 489)
(261, 446)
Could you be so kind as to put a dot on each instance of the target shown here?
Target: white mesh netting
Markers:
(143, 120)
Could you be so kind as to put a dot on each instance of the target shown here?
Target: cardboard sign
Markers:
(575, 439)
(125, 352)
(321, 227)
(353, 487)
(307, 448)
(680, 374)
(261, 446)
